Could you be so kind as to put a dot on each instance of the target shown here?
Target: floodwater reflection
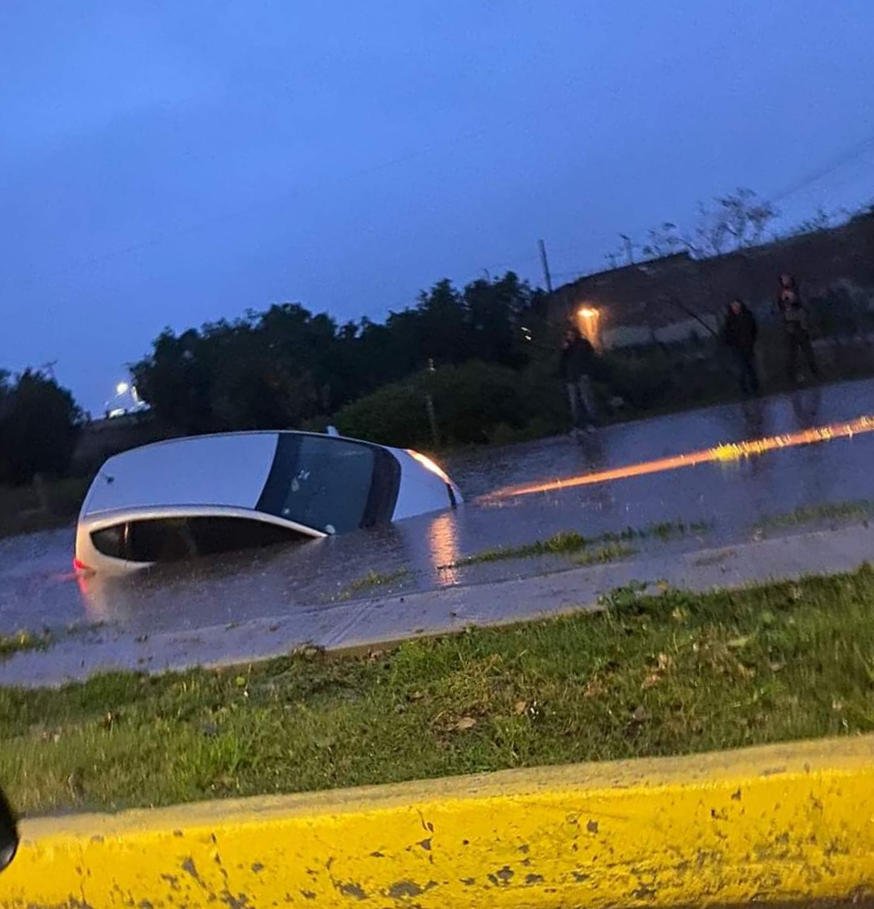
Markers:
(444, 548)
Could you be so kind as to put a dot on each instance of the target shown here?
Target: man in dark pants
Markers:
(739, 332)
(796, 328)
(577, 367)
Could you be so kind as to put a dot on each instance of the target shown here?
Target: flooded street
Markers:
(733, 499)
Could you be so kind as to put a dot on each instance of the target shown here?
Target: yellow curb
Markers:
(778, 823)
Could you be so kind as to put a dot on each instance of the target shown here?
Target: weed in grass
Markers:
(612, 552)
(827, 511)
(570, 541)
(649, 675)
(23, 641)
(624, 596)
(371, 580)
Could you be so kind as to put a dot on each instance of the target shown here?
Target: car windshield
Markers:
(328, 484)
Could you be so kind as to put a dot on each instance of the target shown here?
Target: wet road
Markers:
(37, 588)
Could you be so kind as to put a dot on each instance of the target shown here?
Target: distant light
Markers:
(586, 312)
(122, 388)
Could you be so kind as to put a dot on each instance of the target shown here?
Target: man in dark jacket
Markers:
(577, 366)
(739, 332)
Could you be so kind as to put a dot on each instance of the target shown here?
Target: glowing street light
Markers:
(589, 323)
(122, 388)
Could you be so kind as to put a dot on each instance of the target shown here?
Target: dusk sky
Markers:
(174, 163)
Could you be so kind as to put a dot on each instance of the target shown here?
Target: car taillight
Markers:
(79, 565)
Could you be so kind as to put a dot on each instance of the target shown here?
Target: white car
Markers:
(207, 494)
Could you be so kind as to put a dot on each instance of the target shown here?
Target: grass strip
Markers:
(612, 552)
(22, 641)
(828, 511)
(650, 675)
(371, 581)
(567, 542)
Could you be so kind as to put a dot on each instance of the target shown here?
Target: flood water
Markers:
(38, 589)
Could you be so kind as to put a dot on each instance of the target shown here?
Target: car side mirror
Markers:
(8, 833)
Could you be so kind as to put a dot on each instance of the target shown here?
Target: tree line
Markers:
(289, 367)
(39, 424)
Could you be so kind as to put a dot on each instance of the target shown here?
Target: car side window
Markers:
(109, 541)
(165, 540)
(173, 539)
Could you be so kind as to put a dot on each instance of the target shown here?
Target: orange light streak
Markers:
(732, 451)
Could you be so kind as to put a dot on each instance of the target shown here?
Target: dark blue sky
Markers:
(171, 163)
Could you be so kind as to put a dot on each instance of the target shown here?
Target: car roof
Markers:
(227, 469)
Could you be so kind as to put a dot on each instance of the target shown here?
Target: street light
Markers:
(122, 388)
(588, 320)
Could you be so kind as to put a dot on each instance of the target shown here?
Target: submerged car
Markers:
(216, 493)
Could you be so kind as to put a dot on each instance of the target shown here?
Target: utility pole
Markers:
(546, 275)
(429, 407)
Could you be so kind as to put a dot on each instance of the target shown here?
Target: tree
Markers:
(623, 255)
(734, 221)
(443, 324)
(5, 392)
(175, 379)
(745, 216)
(738, 221)
(820, 220)
(39, 424)
(495, 313)
(664, 240)
(286, 367)
(710, 233)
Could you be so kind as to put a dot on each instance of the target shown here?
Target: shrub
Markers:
(392, 415)
(474, 402)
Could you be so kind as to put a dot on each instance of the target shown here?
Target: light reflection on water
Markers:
(444, 549)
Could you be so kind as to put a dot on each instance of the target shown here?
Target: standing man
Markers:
(578, 361)
(796, 328)
(739, 333)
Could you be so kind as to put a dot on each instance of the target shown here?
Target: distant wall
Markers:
(645, 302)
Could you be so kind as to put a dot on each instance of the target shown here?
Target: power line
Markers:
(850, 154)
